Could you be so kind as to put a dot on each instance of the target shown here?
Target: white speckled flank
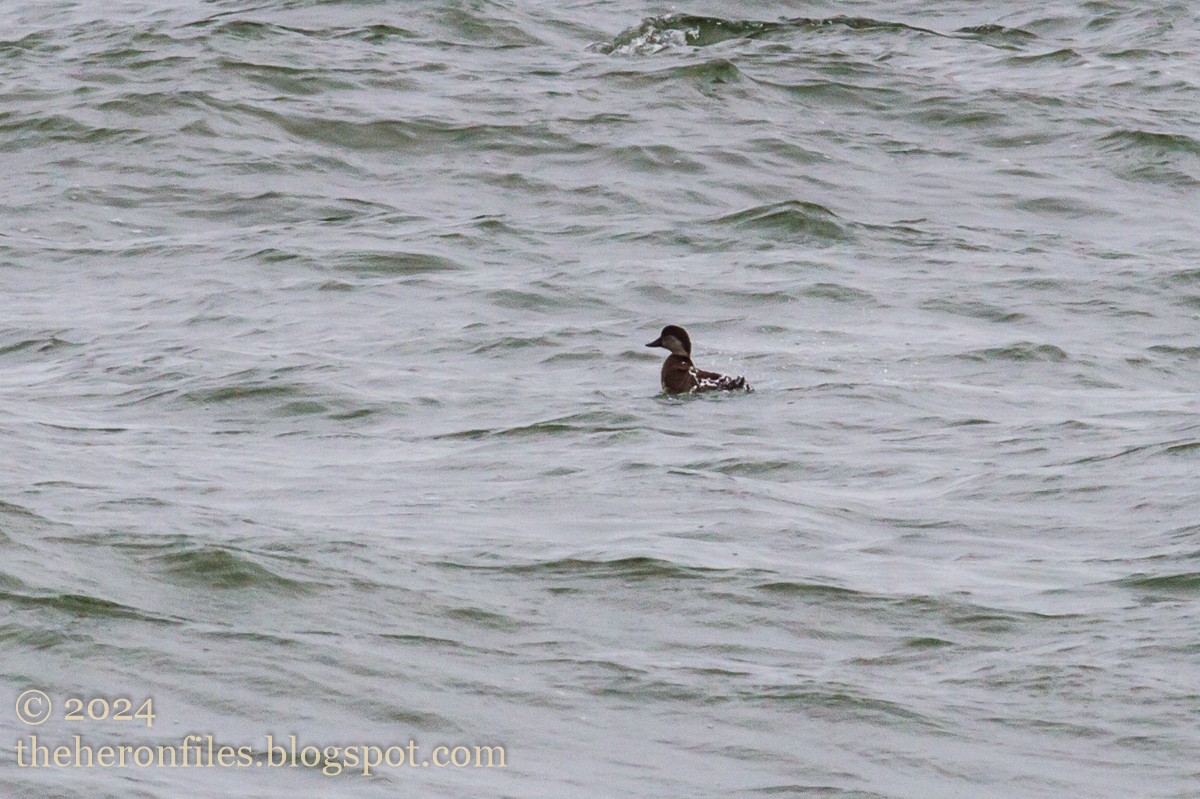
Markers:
(707, 381)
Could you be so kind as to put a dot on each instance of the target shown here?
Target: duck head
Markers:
(675, 339)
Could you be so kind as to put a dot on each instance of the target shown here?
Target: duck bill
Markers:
(656, 343)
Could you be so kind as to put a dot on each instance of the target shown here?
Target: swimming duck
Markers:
(680, 375)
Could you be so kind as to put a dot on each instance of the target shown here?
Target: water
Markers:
(325, 410)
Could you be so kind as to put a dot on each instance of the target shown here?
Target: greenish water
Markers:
(325, 410)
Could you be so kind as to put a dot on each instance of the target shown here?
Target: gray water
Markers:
(325, 410)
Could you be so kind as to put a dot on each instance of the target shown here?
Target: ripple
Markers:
(974, 309)
(40, 345)
(39, 41)
(1152, 143)
(28, 129)
(1185, 353)
(998, 34)
(1020, 351)
(805, 589)
(791, 219)
(376, 34)
(84, 606)
(1155, 157)
(632, 568)
(1182, 584)
(215, 567)
(242, 392)
(656, 34)
(395, 263)
(847, 702)
(1064, 56)
(840, 293)
(586, 422)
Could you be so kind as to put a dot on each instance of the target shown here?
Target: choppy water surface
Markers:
(325, 409)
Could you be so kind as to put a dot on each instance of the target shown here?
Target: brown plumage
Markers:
(680, 375)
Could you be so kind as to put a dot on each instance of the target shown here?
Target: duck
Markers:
(680, 375)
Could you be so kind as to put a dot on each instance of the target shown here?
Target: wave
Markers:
(655, 34)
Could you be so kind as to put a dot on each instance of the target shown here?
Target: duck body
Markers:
(680, 375)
